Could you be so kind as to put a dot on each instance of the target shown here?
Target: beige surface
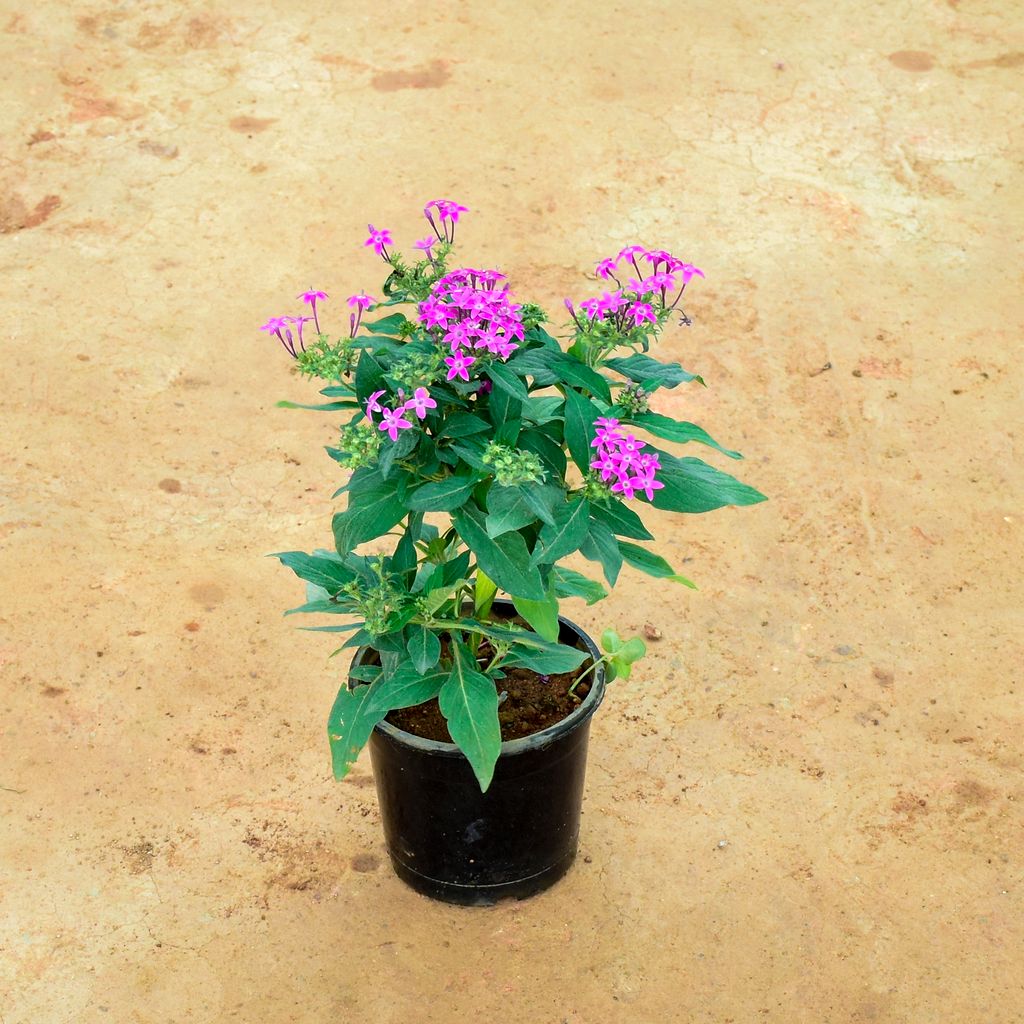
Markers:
(807, 805)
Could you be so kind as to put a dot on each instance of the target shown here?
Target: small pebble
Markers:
(723, 843)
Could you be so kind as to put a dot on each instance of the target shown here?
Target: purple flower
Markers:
(279, 325)
(610, 303)
(606, 268)
(425, 245)
(618, 460)
(688, 270)
(379, 239)
(421, 402)
(458, 366)
(392, 422)
(373, 405)
(361, 301)
(299, 321)
(311, 298)
(448, 212)
(640, 312)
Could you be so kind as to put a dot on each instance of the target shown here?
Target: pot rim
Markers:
(535, 740)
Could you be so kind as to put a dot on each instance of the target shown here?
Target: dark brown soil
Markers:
(533, 703)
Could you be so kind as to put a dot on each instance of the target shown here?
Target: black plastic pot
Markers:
(450, 841)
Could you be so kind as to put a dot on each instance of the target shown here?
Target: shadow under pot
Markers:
(451, 842)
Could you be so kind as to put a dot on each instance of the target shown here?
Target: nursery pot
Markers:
(450, 841)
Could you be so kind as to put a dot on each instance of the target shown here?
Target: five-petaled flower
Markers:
(361, 301)
(606, 268)
(373, 405)
(392, 421)
(458, 366)
(379, 239)
(641, 311)
(421, 402)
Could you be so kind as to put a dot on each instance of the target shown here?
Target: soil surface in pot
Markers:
(533, 703)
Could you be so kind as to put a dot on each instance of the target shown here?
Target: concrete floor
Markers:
(806, 806)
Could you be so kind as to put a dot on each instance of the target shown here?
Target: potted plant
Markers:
(482, 455)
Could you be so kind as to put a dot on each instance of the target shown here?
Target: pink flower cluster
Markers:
(393, 420)
(279, 325)
(448, 213)
(619, 458)
(631, 304)
(470, 314)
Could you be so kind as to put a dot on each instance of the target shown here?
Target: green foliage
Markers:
(485, 491)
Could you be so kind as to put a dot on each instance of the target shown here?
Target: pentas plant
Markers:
(484, 455)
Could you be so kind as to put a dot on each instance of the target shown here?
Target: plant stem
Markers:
(579, 679)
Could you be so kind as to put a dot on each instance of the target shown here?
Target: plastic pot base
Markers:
(483, 895)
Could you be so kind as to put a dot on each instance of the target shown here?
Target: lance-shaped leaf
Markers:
(389, 325)
(652, 564)
(444, 495)
(569, 583)
(369, 515)
(349, 726)
(647, 371)
(565, 535)
(541, 615)
(423, 646)
(509, 508)
(505, 379)
(405, 688)
(505, 559)
(677, 430)
(580, 414)
(620, 519)
(324, 571)
(601, 546)
(691, 485)
(562, 659)
(469, 702)
(572, 371)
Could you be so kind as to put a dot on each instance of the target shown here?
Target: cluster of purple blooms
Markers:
(470, 314)
(619, 459)
(393, 420)
(631, 304)
(281, 326)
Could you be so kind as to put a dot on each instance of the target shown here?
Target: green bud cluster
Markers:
(326, 360)
(595, 489)
(634, 400)
(532, 315)
(375, 600)
(359, 445)
(512, 466)
(419, 369)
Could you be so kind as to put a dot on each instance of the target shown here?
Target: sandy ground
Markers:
(807, 805)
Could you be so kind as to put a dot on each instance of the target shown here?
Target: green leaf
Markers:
(502, 407)
(601, 546)
(505, 559)
(536, 363)
(691, 485)
(405, 559)
(390, 451)
(620, 519)
(405, 688)
(506, 634)
(676, 430)
(423, 646)
(541, 615)
(550, 451)
(369, 515)
(463, 424)
(508, 508)
(560, 659)
(505, 379)
(652, 564)
(469, 702)
(369, 376)
(569, 583)
(580, 414)
(544, 499)
(572, 371)
(643, 370)
(444, 495)
(389, 325)
(565, 535)
(542, 409)
(324, 571)
(349, 726)
(323, 407)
